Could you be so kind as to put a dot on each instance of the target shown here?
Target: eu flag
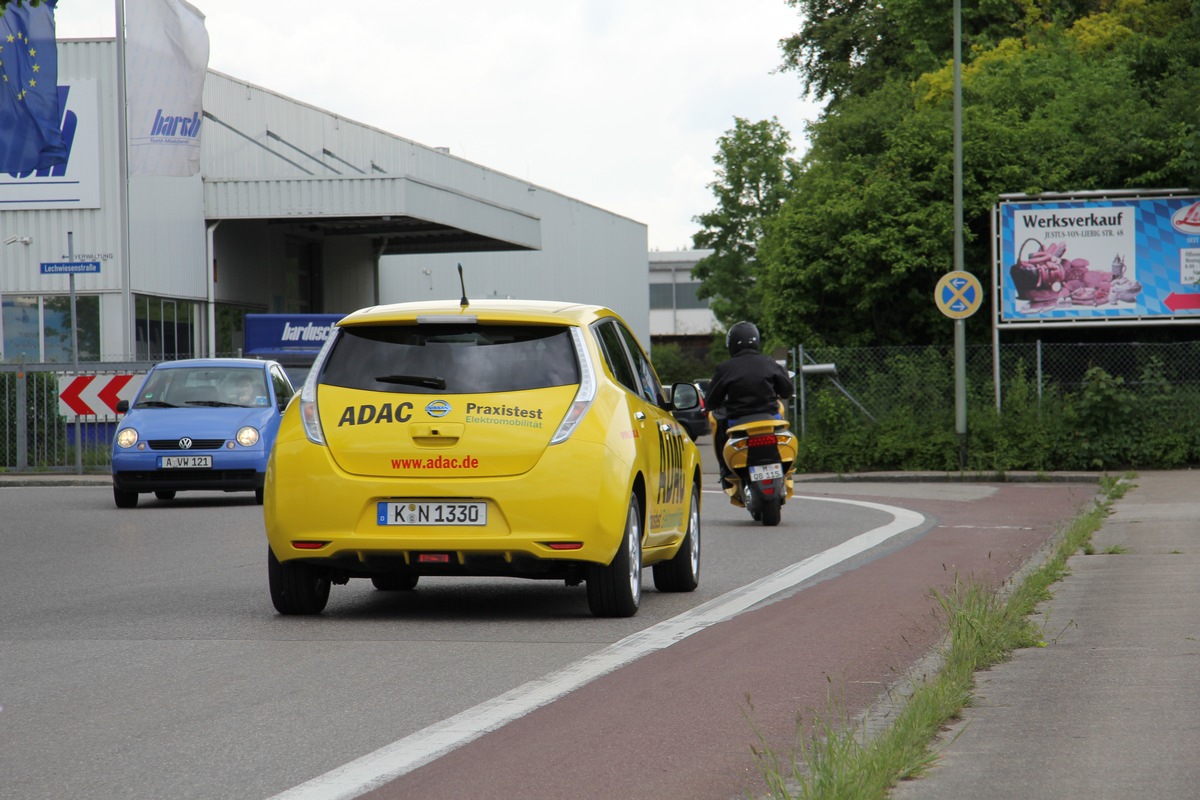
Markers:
(30, 116)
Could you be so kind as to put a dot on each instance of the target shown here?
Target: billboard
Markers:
(296, 338)
(1133, 258)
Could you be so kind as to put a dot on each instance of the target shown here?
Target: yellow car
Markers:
(490, 438)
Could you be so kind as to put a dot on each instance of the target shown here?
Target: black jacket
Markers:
(748, 383)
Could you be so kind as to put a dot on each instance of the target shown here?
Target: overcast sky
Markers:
(617, 103)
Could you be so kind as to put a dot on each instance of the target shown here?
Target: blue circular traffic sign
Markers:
(958, 294)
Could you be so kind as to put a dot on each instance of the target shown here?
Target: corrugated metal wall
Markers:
(588, 256)
(262, 134)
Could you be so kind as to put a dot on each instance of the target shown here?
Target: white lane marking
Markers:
(404, 755)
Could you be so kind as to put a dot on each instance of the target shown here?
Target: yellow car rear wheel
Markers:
(296, 588)
(615, 590)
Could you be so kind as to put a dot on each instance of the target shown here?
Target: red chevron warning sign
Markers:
(94, 395)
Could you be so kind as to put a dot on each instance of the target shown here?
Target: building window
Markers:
(686, 296)
(661, 295)
(38, 328)
(165, 328)
(676, 295)
(56, 325)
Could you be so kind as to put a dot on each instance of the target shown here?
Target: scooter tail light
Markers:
(763, 441)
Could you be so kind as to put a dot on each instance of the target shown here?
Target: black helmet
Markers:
(742, 336)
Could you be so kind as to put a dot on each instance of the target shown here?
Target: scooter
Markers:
(760, 452)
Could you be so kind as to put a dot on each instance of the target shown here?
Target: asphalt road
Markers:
(140, 656)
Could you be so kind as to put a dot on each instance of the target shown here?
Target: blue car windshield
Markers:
(190, 387)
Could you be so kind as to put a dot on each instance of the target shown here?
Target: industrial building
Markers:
(296, 210)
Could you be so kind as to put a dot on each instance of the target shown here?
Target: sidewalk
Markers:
(1110, 708)
(55, 479)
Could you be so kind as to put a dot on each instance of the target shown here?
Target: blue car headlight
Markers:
(247, 437)
(126, 438)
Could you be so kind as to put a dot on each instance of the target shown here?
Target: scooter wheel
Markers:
(749, 503)
(771, 513)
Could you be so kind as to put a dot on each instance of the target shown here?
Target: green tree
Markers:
(1074, 98)
(753, 170)
(853, 47)
(673, 365)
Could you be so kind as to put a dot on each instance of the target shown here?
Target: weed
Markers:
(835, 759)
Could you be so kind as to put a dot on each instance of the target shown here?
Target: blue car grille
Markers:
(197, 444)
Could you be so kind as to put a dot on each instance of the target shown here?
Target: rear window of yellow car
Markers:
(455, 358)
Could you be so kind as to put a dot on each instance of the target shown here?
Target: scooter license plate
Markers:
(766, 472)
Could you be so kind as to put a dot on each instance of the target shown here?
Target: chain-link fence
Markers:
(921, 379)
(1060, 406)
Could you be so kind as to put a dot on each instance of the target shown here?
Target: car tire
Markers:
(124, 499)
(165, 495)
(615, 590)
(404, 581)
(682, 573)
(296, 588)
(258, 496)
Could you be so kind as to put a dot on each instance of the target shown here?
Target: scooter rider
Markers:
(747, 383)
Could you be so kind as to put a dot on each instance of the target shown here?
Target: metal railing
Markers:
(56, 419)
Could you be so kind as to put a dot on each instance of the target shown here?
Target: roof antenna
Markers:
(463, 302)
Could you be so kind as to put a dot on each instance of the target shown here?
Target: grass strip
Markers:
(836, 758)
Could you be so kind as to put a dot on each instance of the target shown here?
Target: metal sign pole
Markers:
(960, 390)
(960, 335)
(803, 405)
(958, 295)
(75, 355)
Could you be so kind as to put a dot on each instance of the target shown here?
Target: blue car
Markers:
(201, 424)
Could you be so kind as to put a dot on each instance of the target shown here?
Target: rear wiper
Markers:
(428, 381)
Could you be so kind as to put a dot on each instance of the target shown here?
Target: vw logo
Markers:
(185, 443)
(437, 408)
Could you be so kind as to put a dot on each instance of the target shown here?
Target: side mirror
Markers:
(122, 406)
(684, 397)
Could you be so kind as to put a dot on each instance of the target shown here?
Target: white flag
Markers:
(166, 58)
